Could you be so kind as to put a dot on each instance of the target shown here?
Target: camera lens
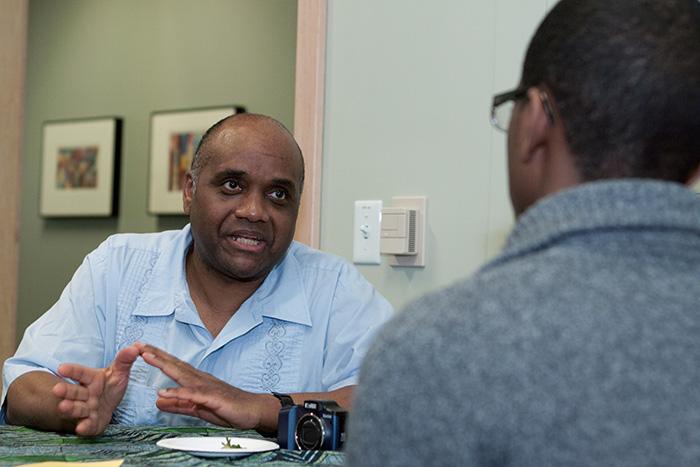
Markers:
(309, 433)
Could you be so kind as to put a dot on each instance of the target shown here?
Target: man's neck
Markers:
(216, 298)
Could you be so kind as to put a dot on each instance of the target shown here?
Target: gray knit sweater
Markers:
(578, 345)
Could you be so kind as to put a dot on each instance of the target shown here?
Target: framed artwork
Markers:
(175, 136)
(80, 167)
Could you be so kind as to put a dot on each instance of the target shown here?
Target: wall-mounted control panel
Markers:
(403, 231)
(397, 231)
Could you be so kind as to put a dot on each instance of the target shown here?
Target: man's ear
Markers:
(694, 177)
(537, 123)
(188, 193)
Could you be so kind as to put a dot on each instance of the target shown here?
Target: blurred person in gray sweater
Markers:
(579, 344)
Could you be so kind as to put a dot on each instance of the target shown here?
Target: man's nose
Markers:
(252, 208)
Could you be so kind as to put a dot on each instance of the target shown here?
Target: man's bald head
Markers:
(242, 124)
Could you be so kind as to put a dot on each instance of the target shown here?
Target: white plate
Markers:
(212, 446)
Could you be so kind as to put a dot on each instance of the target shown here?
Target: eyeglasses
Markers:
(502, 107)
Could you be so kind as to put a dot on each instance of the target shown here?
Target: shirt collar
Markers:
(281, 296)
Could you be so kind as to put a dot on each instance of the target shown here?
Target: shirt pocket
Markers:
(138, 407)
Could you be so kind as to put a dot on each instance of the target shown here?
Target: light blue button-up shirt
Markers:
(306, 328)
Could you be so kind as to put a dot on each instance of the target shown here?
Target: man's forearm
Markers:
(31, 402)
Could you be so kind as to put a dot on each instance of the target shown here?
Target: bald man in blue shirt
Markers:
(210, 322)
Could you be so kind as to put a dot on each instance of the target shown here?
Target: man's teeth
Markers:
(247, 241)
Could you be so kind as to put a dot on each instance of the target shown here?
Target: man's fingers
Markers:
(160, 357)
(73, 410)
(69, 391)
(77, 372)
(125, 358)
(160, 354)
(185, 407)
(86, 427)
(192, 395)
(177, 393)
(183, 404)
(178, 406)
(153, 360)
(179, 371)
(91, 402)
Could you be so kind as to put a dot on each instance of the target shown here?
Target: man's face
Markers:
(243, 209)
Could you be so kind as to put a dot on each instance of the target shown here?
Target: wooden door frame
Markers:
(13, 52)
(309, 112)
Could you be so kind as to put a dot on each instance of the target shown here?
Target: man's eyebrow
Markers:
(229, 173)
(232, 173)
(284, 182)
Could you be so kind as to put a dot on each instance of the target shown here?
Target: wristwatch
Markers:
(285, 399)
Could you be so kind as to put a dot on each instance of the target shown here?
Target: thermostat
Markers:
(398, 231)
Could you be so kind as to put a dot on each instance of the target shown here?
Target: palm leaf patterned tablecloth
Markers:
(137, 446)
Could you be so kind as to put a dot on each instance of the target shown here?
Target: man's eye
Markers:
(278, 195)
(231, 185)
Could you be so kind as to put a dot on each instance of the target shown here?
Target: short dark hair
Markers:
(625, 75)
(200, 159)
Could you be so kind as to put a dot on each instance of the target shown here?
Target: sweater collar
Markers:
(605, 205)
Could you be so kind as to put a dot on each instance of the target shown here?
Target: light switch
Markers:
(366, 232)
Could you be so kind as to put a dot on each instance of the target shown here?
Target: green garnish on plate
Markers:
(228, 445)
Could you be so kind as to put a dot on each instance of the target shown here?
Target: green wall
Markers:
(128, 58)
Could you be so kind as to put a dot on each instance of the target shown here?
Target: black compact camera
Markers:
(317, 425)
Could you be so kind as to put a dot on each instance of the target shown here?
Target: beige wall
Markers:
(408, 92)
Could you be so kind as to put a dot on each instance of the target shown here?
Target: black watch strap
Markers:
(285, 399)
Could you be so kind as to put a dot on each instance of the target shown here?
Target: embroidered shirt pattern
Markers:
(274, 347)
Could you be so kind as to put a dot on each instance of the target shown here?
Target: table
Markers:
(137, 446)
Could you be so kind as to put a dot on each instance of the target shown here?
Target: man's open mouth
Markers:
(250, 241)
(246, 240)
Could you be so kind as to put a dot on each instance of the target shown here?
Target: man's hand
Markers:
(91, 402)
(203, 396)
